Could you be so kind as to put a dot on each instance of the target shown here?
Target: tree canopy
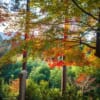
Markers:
(55, 26)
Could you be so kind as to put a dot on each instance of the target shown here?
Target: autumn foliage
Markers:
(14, 86)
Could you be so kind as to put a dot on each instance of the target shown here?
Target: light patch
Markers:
(36, 33)
(90, 35)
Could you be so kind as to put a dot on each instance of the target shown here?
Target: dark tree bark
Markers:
(63, 80)
(98, 38)
(98, 43)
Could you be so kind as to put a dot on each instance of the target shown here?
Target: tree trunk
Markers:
(24, 66)
(98, 43)
(22, 84)
(63, 80)
(23, 74)
(98, 38)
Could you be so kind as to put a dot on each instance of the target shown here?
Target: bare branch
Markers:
(88, 45)
(89, 14)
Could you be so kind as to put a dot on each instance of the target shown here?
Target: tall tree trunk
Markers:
(98, 38)
(64, 68)
(63, 80)
(23, 74)
(24, 66)
(98, 43)
(22, 85)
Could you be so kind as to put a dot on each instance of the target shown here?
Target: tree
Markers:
(50, 18)
(96, 17)
(39, 73)
(54, 21)
(55, 17)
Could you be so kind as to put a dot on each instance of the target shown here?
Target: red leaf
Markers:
(51, 65)
(60, 63)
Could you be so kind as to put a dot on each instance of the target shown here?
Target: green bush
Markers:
(32, 91)
(50, 89)
(40, 73)
(55, 78)
(41, 91)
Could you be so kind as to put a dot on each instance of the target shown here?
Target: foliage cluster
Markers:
(44, 84)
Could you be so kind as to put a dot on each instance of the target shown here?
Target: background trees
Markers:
(52, 29)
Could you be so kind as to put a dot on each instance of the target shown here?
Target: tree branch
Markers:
(88, 45)
(89, 14)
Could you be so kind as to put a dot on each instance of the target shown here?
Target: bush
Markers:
(41, 91)
(32, 91)
(40, 73)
